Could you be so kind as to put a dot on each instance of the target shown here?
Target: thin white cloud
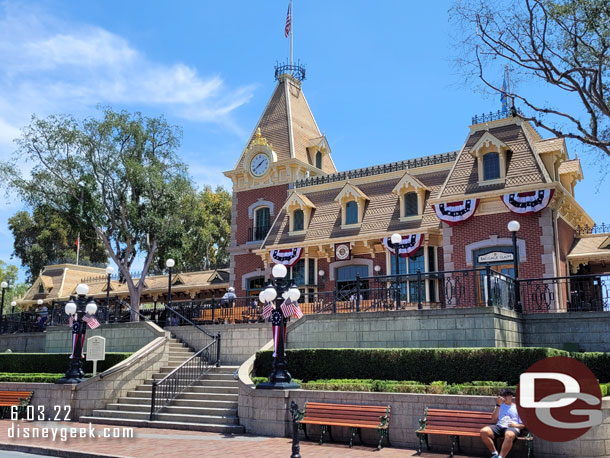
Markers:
(52, 66)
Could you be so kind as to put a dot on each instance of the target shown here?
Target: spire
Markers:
(288, 124)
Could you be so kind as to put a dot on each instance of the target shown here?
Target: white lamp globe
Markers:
(170, 263)
(396, 238)
(377, 268)
(39, 301)
(82, 289)
(4, 284)
(294, 294)
(321, 273)
(514, 226)
(109, 270)
(262, 297)
(279, 271)
(91, 308)
(285, 295)
(270, 293)
(13, 304)
(70, 308)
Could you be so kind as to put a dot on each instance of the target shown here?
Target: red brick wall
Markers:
(245, 264)
(276, 194)
(482, 227)
(566, 239)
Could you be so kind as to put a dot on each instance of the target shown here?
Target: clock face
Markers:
(259, 164)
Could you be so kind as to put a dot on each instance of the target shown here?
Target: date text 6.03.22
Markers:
(41, 413)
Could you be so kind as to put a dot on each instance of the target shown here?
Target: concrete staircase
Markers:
(208, 405)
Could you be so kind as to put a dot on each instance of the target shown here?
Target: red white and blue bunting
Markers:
(410, 244)
(454, 213)
(528, 202)
(288, 256)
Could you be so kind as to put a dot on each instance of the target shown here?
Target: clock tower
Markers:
(285, 145)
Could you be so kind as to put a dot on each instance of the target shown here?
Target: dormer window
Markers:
(299, 220)
(353, 202)
(491, 166)
(299, 209)
(318, 160)
(411, 197)
(491, 154)
(351, 212)
(410, 200)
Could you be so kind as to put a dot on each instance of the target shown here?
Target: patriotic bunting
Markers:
(528, 202)
(410, 244)
(454, 213)
(288, 257)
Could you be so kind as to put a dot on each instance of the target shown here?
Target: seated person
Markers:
(507, 424)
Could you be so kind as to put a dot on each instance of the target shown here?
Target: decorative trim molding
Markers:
(352, 262)
(261, 203)
(249, 275)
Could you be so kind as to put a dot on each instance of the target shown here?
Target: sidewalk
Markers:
(148, 443)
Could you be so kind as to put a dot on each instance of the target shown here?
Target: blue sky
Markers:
(381, 79)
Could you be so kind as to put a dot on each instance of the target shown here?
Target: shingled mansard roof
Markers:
(288, 124)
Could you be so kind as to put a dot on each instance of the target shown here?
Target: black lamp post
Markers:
(396, 240)
(514, 227)
(109, 271)
(4, 285)
(170, 263)
(79, 306)
(13, 305)
(279, 378)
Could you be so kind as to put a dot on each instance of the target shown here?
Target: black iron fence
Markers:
(478, 287)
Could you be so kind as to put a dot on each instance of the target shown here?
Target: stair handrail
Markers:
(174, 389)
(190, 322)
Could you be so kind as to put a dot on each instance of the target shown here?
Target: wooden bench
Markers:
(8, 399)
(354, 417)
(460, 423)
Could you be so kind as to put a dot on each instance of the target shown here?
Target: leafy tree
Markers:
(564, 44)
(201, 240)
(47, 237)
(8, 273)
(124, 166)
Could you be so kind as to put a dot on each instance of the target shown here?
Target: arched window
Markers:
(262, 223)
(319, 160)
(298, 223)
(491, 166)
(411, 204)
(351, 213)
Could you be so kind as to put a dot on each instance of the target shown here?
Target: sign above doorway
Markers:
(494, 256)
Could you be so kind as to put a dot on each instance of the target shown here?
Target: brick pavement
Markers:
(150, 443)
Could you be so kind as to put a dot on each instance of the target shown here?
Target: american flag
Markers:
(91, 321)
(291, 309)
(71, 320)
(267, 309)
(288, 21)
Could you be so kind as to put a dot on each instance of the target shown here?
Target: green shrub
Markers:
(453, 365)
(29, 378)
(598, 362)
(605, 387)
(52, 363)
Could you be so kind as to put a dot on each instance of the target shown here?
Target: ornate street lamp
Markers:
(321, 274)
(79, 306)
(514, 227)
(278, 291)
(4, 285)
(13, 305)
(109, 271)
(170, 263)
(396, 240)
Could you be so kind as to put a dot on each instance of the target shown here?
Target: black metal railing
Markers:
(595, 229)
(581, 293)
(494, 116)
(378, 169)
(257, 233)
(296, 70)
(185, 375)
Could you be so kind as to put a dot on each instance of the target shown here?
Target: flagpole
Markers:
(291, 31)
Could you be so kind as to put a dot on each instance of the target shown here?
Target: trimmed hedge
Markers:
(31, 378)
(52, 363)
(453, 365)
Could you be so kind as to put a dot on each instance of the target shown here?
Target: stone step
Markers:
(182, 402)
(185, 410)
(217, 382)
(172, 417)
(213, 428)
(218, 376)
(200, 389)
(187, 395)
